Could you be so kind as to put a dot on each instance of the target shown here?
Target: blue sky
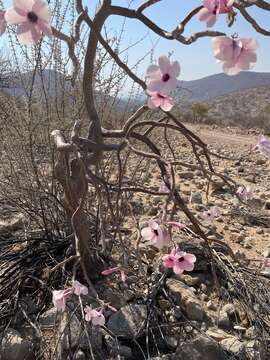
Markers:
(197, 59)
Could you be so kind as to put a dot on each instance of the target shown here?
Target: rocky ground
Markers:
(161, 315)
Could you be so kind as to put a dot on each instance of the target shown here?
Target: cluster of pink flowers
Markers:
(212, 8)
(245, 193)
(159, 237)
(60, 298)
(33, 18)
(179, 261)
(161, 80)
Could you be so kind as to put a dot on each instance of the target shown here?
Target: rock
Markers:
(14, 347)
(196, 198)
(186, 298)
(171, 342)
(233, 346)
(12, 223)
(255, 350)
(114, 298)
(49, 317)
(230, 310)
(224, 321)
(201, 348)
(129, 321)
(74, 335)
(79, 355)
(217, 334)
(186, 175)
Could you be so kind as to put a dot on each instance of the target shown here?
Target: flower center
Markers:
(32, 17)
(156, 232)
(161, 96)
(181, 259)
(165, 77)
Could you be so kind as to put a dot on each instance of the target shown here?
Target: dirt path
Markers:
(217, 136)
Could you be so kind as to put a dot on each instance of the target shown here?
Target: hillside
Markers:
(245, 108)
(221, 84)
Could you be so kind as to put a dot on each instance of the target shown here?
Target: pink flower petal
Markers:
(186, 265)
(24, 5)
(175, 69)
(41, 8)
(153, 72)
(164, 64)
(45, 28)
(177, 269)
(167, 104)
(13, 17)
(28, 34)
(190, 258)
(110, 271)
(147, 233)
(209, 4)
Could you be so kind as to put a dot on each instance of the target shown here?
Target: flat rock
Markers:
(14, 347)
(186, 298)
(201, 348)
(233, 345)
(129, 321)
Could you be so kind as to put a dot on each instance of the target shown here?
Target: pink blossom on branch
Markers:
(162, 79)
(235, 54)
(78, 288)
(3, 23)
(212, 8)
(95, 316)
(156, 234)
(60, 298)
(263, 146)
(113, 270)
(33, 18)
(179, 261)
(156, 100)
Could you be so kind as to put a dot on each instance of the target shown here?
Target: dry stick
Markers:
(252, 21)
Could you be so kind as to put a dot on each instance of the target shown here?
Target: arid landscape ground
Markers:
(160, 315)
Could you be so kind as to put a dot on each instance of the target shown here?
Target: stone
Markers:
(74, 335)
(171, 342)
(14, 347)
(48, 318)
(128, 322)
(217, 334)
(12, 223)
(201, 348)
(186, 298)
(79, 355)
(224, 321)
(196, 198)
(187, 175)
(233, 346)
(230, 310)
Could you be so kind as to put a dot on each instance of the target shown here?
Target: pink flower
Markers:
(235, 54)
(156, 100)
(3, 23)
(162, 79)
(263, 146)
(33, 18)
(211, 214)
(60, 297)
(245, 193)
(212, 8)
(179, 261)
(78, 288)
(158, 235)
(95, 316)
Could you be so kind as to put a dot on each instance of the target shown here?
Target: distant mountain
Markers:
(220, 84)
